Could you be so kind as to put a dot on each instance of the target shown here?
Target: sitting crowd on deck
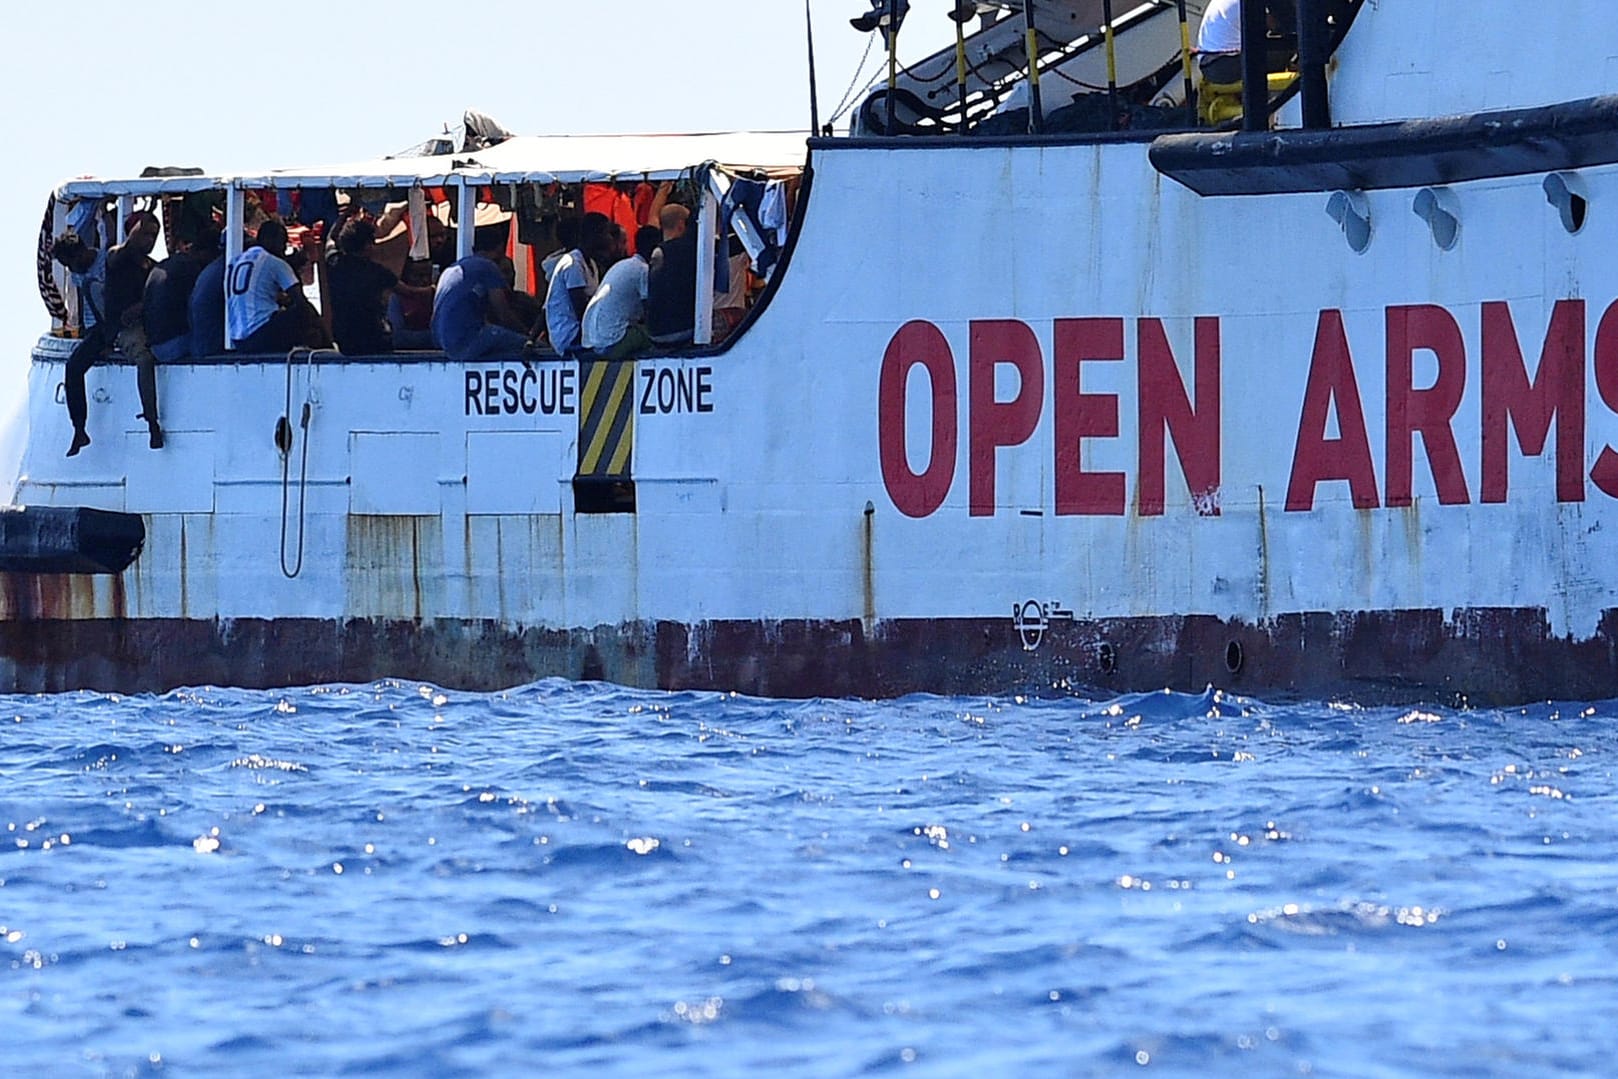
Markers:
(375, 298)
(592, 270)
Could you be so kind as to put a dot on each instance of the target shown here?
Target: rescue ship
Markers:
(1053, 384)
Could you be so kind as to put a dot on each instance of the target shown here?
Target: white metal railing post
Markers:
(707, 234)
(235, 228)
(466, 219)
(126, 207)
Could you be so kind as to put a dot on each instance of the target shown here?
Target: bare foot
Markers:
(80, 440)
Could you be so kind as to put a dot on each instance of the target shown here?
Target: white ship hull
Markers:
(1025, 414)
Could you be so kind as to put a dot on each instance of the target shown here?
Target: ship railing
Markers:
(967, 90)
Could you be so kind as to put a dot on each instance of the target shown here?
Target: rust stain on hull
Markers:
(27, 597)
(1483, 657)
(394, 567)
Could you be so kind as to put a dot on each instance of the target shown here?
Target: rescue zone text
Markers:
(1333, 441)
(552, 389)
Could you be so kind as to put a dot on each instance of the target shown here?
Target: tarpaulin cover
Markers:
(525, 159)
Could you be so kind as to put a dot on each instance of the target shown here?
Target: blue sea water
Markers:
(571, 879)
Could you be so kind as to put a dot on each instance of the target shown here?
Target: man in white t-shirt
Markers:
(575, 281)
(613, 320)
(1219, 42)
(265, 309)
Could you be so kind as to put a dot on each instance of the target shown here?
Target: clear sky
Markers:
(105, 87)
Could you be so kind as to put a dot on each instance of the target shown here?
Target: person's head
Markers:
(141, 231)
(272, 237)
(417, 272)
(73, 252)
(357, 237)
(207, 241)
(647, 237)
(490, 240)
(620, 241)
(595, 236)
(674, 219)
(567, 232)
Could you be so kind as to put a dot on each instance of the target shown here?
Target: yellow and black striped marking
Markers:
(606, 419)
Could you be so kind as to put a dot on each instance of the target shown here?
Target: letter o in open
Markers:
(918, 494)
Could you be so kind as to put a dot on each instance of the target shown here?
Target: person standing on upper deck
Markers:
(1219, 42)
(472, 312)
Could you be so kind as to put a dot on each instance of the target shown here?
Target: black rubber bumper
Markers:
(68, 539)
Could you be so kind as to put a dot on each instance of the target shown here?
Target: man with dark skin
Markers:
(360, 288)
(472, 312)
(166, 311)
(112, 315)
(575, 280)
(265, 309)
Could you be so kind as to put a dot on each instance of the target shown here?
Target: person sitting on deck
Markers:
(1219, 43)
(265, 308)
(567, 236)
(528, 308)
(169, 287)
(575, 281)
(730, 306)
(671, 283)
(472, 312)
(111, 285)
(360, 287)
(207, 307)
(410, 311)
(612, 320)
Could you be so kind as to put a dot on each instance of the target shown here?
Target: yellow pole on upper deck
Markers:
(1036, 107)
(1185, 55)
(1112, 64)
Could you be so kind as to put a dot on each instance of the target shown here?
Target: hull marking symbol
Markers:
(1033, 618)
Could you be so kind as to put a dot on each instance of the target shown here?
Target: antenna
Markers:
(814, 93)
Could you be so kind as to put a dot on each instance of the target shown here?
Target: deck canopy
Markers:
(525, 159)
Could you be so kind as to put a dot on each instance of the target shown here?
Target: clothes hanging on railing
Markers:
(43, 266)
(772, 213)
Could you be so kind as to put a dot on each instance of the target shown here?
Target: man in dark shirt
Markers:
(359, 292)
(167, 303)
(165, 329)
(671, 285)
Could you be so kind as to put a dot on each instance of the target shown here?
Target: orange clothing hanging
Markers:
(619, 207)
